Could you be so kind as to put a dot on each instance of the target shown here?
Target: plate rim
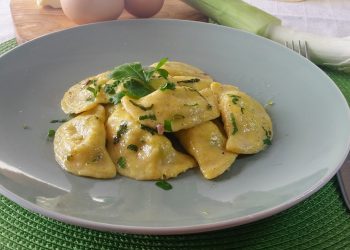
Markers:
(174, 230)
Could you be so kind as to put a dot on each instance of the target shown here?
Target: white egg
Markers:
(89, 11)
(143, 8)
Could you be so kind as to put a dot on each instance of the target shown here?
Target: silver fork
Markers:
(343, 174)
(300, 47)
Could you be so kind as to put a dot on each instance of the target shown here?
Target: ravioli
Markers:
(79, 145)
(79, 99)
(206, 143)
(246, 122)
(139, 152)
(183, 69)
(176, 109)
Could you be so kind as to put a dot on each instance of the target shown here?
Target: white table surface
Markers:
(327, 17)
(6, 25)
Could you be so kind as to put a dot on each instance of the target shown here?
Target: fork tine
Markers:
(299, 47)
(306, 50)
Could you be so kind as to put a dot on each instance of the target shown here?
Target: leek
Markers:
(236, 14)
(327, 51)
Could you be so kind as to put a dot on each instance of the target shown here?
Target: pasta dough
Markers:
(141, 153)
(79, 145)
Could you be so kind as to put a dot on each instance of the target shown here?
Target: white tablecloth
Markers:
(6, 25)
(327, 17)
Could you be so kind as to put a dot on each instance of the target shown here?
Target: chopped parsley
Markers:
(121, 162)
(235, 98)
(193, 80)
(233, 122)
(149, 129)
(146, 117)
(59, 121)
(116, 99)
(168, 85)
(110, 88)
(94, 90)
(123, 127)
(167, 126)
(144, 108)
(132, 147)
(51, 134)
(268, 134)
(164, 185)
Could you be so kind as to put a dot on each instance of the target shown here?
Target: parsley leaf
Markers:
(117, 97)
(136, 89)
(123, 127)
(233, 121)
(150, 117)
(132, 147)
(193, 80)
(167, 126)
(129, 70)
(110, 88)
(167, 85)
(58, 121)
(161, 63)
(51, 134)
(144, 108)
(121, 162)
(164, 185)
(163, 73)
(149, 129)
(235, 98)
(268, 134)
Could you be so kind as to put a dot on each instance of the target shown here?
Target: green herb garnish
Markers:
(116, 99)
(233, 122)
(144, 108)
(268, 134)
(168, 85)
(164, 185)
(95, 89)
(235, 98)
(123, 127)
(110, 88)
(59, 121)
(162, 72)
(167, 126)
(136, 80)
(136, 89)
(132, 147)
(149, 129)
(150, 117)
(51, 134)
(121, 162)
(193, 80)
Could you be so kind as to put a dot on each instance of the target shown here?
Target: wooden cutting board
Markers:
(31, 21)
